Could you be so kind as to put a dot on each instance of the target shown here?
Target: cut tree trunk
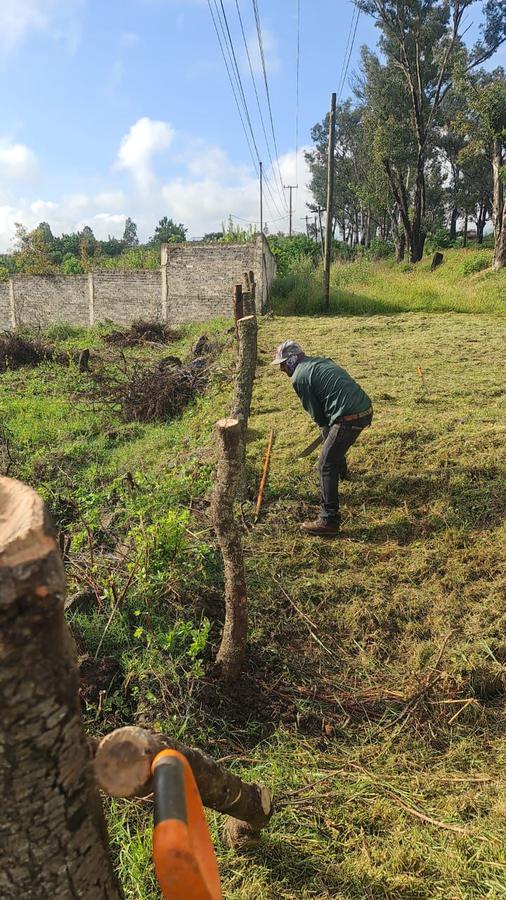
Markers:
(243, 387)
(232, 651)
(54, 842)
(123, 769)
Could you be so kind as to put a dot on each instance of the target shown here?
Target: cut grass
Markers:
(464, 283)
(373, 701)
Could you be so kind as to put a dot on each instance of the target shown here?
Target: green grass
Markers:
(407, 603)
(464, 283)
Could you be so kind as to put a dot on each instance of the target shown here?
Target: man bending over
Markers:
(342, 410)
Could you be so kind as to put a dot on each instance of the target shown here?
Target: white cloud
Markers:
(271, 55)
(16, 161)
(208, 188)
(145, 138)
(56, 18)
(204, 203)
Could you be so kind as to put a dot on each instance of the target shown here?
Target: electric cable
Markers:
(266, 82)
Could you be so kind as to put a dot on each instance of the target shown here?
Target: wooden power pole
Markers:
(290, 187)
(330, 197)
(261, 199)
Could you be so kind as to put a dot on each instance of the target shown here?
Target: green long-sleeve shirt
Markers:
(327, 391)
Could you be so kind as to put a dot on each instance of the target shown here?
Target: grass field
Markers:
(463, 283)
(373, 703)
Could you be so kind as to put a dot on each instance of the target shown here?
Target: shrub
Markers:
(439, 239)
(291, 251)
(379, 249)
(476, 262)
(72, 266)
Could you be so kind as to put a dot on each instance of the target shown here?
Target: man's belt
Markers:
(355, 416)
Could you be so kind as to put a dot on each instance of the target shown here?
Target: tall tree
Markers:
(423, 40)
(167, 232)
(32, 251)
(130, 233)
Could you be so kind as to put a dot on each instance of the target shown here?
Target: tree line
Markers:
(422, 144)
(39, 252)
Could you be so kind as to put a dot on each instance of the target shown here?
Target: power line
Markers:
(232, 86)
(345, 67)
(254, 84)
(297, 96)
(235, 68)
(267, 92)
(223, 43)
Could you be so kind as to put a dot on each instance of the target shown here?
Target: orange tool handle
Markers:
(183, 852)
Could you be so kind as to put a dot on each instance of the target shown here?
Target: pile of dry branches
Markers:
(142, 332)
(18, 350)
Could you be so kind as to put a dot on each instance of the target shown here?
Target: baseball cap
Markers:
(285, 350)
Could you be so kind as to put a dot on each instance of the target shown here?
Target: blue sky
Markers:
(112, 109)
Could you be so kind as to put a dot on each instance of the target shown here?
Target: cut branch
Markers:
(123, 769)
(54, 838)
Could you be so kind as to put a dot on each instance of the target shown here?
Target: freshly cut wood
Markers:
(123, 769)
(54, 841)
(238, 304)
(232, 651)
(246, 366)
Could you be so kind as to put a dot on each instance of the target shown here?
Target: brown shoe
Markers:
(321, 527)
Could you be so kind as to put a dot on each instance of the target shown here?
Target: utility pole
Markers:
(290, 187)
(261, 200)
(330, 197)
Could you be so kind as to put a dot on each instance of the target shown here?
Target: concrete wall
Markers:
(195, 283)
(5, 306)
(200, 278)
(41, 300)
(125, 295)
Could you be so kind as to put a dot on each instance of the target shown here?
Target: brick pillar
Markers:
(91, 298)
(12, 302)
(164, 262)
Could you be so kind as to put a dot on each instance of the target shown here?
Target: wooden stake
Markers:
(238, 304)
(230, 657)
(264, 476)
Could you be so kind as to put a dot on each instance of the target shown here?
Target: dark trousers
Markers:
(332, 463)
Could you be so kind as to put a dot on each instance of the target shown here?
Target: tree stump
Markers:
(53, 838)
(232, 651)
(84, 360)
(437, 259)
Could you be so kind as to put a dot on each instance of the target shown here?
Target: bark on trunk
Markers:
(466, 222)
(499, 207)
(481, 221)
(500, 247)
(453, 224)
(243, 387)
(53, 837)
(230, 657)
(123, 769)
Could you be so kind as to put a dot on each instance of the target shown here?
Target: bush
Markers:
(343, 252)
(379, 249)
(72, 266)
(289, 252)
(438, 240)
(476, 262)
